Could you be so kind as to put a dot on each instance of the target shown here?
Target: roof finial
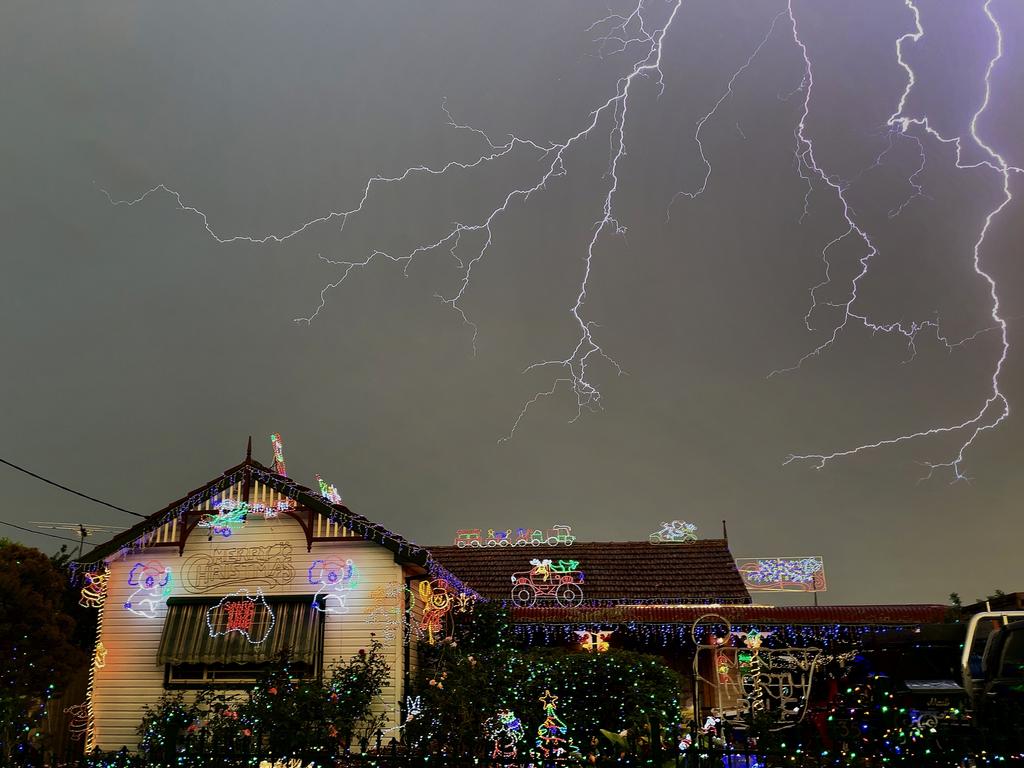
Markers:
(248, 450)
(725, 532)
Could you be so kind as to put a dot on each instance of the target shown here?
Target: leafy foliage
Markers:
(468, 678)
(281, 715)
(36, 656)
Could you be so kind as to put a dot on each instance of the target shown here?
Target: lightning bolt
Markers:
(621, 34)
(995, 408)
(640, 38)
(711, 113)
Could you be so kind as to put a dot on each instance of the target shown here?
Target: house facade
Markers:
(214, 586)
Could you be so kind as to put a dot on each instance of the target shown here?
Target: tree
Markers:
(37, 656)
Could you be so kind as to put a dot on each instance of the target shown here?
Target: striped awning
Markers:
(241, 631)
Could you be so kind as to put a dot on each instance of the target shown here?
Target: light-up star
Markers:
(548, 699)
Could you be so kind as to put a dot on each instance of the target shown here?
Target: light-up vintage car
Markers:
(546, 580)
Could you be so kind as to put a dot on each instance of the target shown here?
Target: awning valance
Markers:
(241, 631)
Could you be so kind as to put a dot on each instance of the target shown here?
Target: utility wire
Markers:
(70, 490)
(39, 533)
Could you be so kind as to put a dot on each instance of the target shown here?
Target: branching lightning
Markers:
(996, 407)
(639, 35)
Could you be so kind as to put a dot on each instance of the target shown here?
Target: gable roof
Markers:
(250, 470)
(638, 572)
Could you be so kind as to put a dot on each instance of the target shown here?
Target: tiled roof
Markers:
(631, 571)
(844, 615)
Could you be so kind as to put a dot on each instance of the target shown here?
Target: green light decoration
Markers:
(279, 467)
(228, 515)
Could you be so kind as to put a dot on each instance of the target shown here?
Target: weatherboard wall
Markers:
(131, 679)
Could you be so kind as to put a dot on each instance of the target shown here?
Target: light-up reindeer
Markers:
(437, 598)
(152, 582)
(336, 578)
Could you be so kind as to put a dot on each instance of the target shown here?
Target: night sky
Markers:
(139, 353)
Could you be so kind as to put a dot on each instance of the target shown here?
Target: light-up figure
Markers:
(506, 731)
(153, 583)
(336, 578)
(437, 597)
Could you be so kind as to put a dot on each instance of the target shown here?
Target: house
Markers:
(209, 589)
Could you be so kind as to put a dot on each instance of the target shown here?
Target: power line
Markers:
(38, 533)
(70, 490)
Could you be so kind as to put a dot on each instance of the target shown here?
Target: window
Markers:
(195, 656)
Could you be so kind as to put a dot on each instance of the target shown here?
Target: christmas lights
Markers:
(153, 583)
(676, 532)
(279, 467)
(227, 515)
(782, 574)
(557, 535)
(328, 491)
(94, 595)
(94, 588)
(546, 580)
(79, 720)
(437, 596)
(241, 612)
(505, 730)
(389, 612)
(269, 511)
(594, 641)
(464, 602)
(553, 746)
(336, 577)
